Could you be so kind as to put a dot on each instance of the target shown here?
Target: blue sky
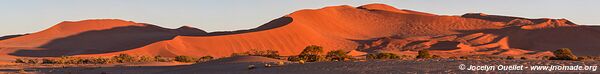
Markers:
(28, 16)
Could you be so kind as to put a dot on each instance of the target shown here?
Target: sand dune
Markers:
(364, 28)
(334, 27)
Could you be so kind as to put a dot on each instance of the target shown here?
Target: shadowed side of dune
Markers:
(495, 18)
(279, 22)
(582, 39)
(11, 36)
(101, 41)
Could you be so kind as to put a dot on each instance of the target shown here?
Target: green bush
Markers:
(309, 54)
(312, 50)
(383, 56)
(563, 54)
(185, 59)
(339, 55)
(424, 54)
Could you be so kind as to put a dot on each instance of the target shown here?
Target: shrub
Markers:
(308, 58)
(102, 61)
(185, 59)
(124, 58)
(294, 58)
(453, 57)
(68, 60)
(240, 54)
(463, 57)
(21, 61)
(383, 56)
(587, 58)
(424, 54)
(33, 61)
(162, 59)
(309, 54)
(206, 58)
(265, 53)
(436, 56)
(371, 56)
(312, 50)
(22, 71)
(338, 55)
(48, 61)
(563, 54)
(510, 57)
(145, 59)
(524, 58)
(546, 58)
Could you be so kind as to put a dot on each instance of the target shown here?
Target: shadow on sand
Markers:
(125, 38)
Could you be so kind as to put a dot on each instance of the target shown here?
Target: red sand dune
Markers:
(365, 28)
(336, 27)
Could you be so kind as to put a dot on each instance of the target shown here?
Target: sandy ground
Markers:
(346, 67)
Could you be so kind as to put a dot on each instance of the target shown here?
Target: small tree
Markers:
(424, 54)
(563, 54)
(338, 55)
